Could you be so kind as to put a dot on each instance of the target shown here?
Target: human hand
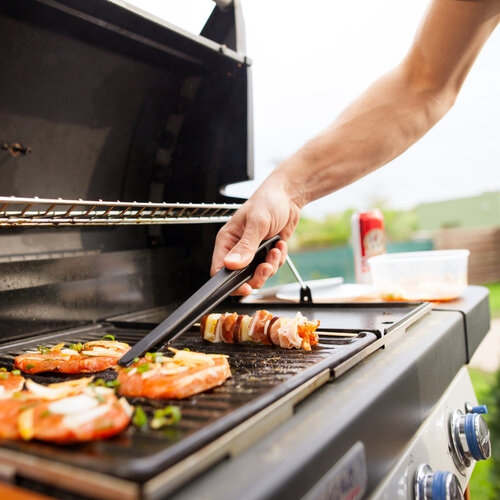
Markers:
(268, 212)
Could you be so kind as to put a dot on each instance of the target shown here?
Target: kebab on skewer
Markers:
(262, 327)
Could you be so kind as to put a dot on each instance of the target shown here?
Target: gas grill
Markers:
(99, 103)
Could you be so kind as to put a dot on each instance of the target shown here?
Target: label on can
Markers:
(368, 240)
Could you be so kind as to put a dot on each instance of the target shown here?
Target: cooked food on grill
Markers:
(10, 382)
(64, 413)
(262, 327)
(177, 377)
(91, 357)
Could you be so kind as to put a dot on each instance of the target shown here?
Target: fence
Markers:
(484, 246)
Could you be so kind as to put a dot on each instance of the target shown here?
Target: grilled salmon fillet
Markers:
(178, 377)
(90, 357)
(65, 413)
(10, 382)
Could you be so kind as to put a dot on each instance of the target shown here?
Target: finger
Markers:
(283, 248)
(224, 241)
(244, 289)
(261, 274)
(273, 257)
(244, 251)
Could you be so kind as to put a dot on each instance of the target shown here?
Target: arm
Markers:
(384, 121)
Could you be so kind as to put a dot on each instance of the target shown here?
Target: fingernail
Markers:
(235, 258)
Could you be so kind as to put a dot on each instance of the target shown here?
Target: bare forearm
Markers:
(399, 108)
(388, 118)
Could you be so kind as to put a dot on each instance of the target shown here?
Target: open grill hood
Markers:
(100, 102)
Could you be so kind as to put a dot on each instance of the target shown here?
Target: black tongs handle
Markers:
(214, 291)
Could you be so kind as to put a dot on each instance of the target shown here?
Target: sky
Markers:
(311, 59)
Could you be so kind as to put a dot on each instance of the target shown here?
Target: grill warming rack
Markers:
(16, 211)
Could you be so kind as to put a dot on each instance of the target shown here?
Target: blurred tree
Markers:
(335, 229)
(493, 420)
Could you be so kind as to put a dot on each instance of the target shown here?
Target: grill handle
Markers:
(214, 291)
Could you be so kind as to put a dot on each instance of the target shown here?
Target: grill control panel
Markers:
(437, 485)
(439, 460)
(469, 436)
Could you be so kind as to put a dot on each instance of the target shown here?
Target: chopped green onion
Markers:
(139, 419)
(155, 357)
(169, 415)
(16, 372)
(45, 413)
(42, 348)
(100, 382)
(186, 349)
(113, 384)
(29, 366)
(3, 369)
(4, 376)
(136, 360)
(143, 368)
(76, 347)
(108, 337)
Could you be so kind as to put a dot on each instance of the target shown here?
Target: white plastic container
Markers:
(434, 275)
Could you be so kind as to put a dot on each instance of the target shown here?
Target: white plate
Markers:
(334, 292)
(293, 289)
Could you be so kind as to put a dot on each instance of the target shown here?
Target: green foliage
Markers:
(493, 420)
(485, 480)
(335, 229)
(332, 230)
(494, 289)
(400, 225)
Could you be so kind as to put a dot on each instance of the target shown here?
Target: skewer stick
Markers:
(336, 334)
(320, 332)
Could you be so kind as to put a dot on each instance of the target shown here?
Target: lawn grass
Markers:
(494, 289)
(480, 484)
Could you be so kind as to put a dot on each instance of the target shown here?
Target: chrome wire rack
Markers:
(16, 211)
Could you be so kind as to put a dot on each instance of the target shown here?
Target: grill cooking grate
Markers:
(261, 375)
(15, 211)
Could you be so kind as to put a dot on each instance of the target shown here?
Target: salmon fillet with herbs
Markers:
(178, 377)
(91, 357)
(64, 413)
(10, 382)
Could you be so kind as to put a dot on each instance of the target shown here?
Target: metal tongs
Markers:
(214, 291)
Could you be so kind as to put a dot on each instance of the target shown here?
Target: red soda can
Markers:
(368, 240)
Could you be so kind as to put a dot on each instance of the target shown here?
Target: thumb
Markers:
(244, 251)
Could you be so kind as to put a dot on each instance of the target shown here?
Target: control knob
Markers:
(469, 436)
(436, 485)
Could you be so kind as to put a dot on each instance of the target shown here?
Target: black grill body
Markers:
(98, 101)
